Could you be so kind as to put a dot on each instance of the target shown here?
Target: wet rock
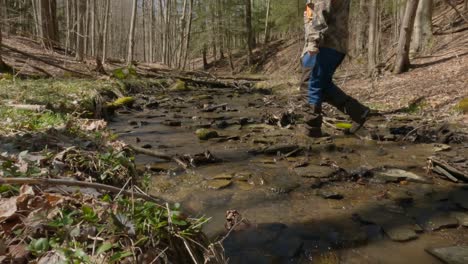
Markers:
(451, 255)
(147, 146)
(133, 123)
(222, 124)
(400, 196)
(462, 218)
(219, 184)
(244, 185)
(205, 134)
(172, 123)
(440, 221)
(396, 175)
(441, 147)
(283, 187)
(328, 194)
(315, 171)
(223, 176)
(400, 233)
(460, 197)
(152, 105)
(316, 183)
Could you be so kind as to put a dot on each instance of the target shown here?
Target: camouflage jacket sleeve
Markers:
(316, 24)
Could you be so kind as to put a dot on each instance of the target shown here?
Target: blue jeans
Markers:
(321, 86)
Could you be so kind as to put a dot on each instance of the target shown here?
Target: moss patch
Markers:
(179, 86)
(462, 106)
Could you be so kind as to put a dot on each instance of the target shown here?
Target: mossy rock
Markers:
(462, 106)
(179, 86)
(125, 73)
(205, 134)
(122, 101)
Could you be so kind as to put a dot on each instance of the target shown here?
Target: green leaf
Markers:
(119, 255)
(104, 247)
(343, 125)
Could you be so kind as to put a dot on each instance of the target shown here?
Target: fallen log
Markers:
(92, 185)
(447, 169)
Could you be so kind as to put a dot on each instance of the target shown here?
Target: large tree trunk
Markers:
(423, 25)
(48, 22)
(372, 43)
(189, 34)
(131, 33)
(361, 28)
(402, 62)
(249, 32)
(2, 63)
(151, 27)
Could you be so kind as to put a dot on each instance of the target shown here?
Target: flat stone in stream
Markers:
(315, 171)
(283, 187)
(451, 255)
(440, 221)
(219, 184)
(462, 218)
(400, 233)
(327, 194)
(396, 175)
(172, 123)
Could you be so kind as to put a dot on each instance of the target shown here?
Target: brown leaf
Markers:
(7, 208)
(19, 253)
(52, 258)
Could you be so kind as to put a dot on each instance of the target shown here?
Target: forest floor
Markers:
(87, 148)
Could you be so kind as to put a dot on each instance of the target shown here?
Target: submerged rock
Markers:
(451, 255)
(327, 194)
(315, 171)
(172, 123)
(400, 233)
(283, 187)
(219, 184)
(462, 218)
(440, 221)
(205, 134)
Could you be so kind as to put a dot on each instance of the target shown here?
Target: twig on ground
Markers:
(97, 186)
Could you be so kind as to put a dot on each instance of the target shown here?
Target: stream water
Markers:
(331, 202)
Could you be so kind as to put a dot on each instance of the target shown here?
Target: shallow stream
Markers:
(303, 200)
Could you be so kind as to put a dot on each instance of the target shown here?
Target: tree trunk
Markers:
(249, 32)
(80, 17)
(104, 32)
(48, 23)
(402, 62)
(267, 22)
(423, 25)
(361, 28)
(2, 63)
(151, 27)
(131, 33)
(372, 42)
(182, 34)
(189, 33)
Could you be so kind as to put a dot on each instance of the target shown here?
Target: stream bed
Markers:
(366, 198)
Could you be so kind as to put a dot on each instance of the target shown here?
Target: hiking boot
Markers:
(357, 112)
(313, 122)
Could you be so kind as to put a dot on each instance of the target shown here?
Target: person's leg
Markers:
(335, 96)
(325, 64)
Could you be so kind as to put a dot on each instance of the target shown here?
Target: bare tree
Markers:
(80, 21)
(131, 33)
(372, 41)
(423, 25)
(104, 31)
(402, 62)
(249, 32)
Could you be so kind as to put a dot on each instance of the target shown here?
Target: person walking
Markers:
(326, 41)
